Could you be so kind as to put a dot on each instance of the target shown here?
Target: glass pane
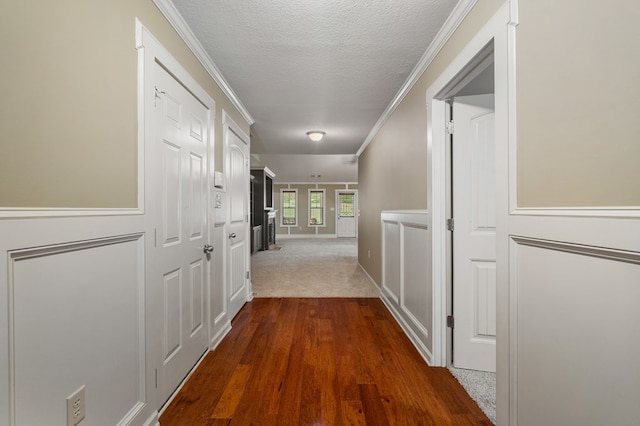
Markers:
(288, 207)
(316, 208)
(346, 205)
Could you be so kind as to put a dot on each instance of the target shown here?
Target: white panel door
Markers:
(347, 209)
(474, 236)
(238, 193)
(177, 189)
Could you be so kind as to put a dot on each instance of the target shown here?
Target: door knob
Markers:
(208, 248)
(232, 235)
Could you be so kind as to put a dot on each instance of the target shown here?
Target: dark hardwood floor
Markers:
(319, 362)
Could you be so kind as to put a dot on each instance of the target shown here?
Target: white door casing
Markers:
(237, 177)
(177, 182)
(346, 215)
(474, 235)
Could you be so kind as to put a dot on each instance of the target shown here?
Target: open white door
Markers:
(238, 193)
(346, 213)
(176, 274)
(474, 235)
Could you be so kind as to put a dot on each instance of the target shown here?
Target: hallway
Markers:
(311, 267)
(319, 361)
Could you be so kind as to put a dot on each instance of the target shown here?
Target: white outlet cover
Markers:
(75, 407)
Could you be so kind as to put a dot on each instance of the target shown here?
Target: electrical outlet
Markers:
(75, 407)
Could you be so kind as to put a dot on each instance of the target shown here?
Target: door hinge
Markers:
(156, 373)
(247, 274)
(450, 224)
(450, 127)
(450, 321)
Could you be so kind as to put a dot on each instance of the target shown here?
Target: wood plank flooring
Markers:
(319, 362)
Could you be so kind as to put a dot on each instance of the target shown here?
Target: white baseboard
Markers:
(413, 337)
(221, 334)
(153, 420)
(179, 388)
(375, 284)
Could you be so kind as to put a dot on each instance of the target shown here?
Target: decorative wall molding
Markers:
(448, 28)
(50, 212)
(177, 22)
(602, 211)
(568, 247)
(79, 253)
(405, 264)
(529, 269)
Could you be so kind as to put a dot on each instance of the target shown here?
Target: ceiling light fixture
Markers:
(315, 135)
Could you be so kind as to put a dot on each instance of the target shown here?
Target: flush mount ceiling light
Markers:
(315, 135)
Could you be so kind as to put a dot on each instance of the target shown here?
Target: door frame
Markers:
(151, 51)
(229, 125)
(498, 35)
(355, 207)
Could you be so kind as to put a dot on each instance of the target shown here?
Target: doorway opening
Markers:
(464, 196)
(346, 213)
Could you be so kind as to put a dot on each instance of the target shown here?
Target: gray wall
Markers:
(69, 109)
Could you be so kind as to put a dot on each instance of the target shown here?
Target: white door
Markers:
(347, 209)
(474, 235)
(177, 182)
(238, 193)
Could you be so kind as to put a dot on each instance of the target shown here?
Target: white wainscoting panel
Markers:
(407, 289)
(391, 259)
(77, 318)
(577, 333)
(417, 300)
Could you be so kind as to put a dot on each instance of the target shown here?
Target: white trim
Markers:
(153, 420)
(152, 53)
(613, 211)
(602, 237)
(228, 124)
(452, 23)
(14, 256)
(413, 328)
(375, 284)
(178, 23)
(182, 383)
(324, 208)
(417, 343)
(46, 212)
(584, 250)
(293, 225)
(221, 334)
(356, 207)
(496, 31)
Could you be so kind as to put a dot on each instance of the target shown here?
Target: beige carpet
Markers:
(311, 268)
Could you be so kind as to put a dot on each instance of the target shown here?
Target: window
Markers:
(289, 213)
(316, 207)
(346, 205)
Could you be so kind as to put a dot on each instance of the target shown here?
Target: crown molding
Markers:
(448, 28)
(168, 9)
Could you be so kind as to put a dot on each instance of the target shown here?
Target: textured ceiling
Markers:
(300, 65)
